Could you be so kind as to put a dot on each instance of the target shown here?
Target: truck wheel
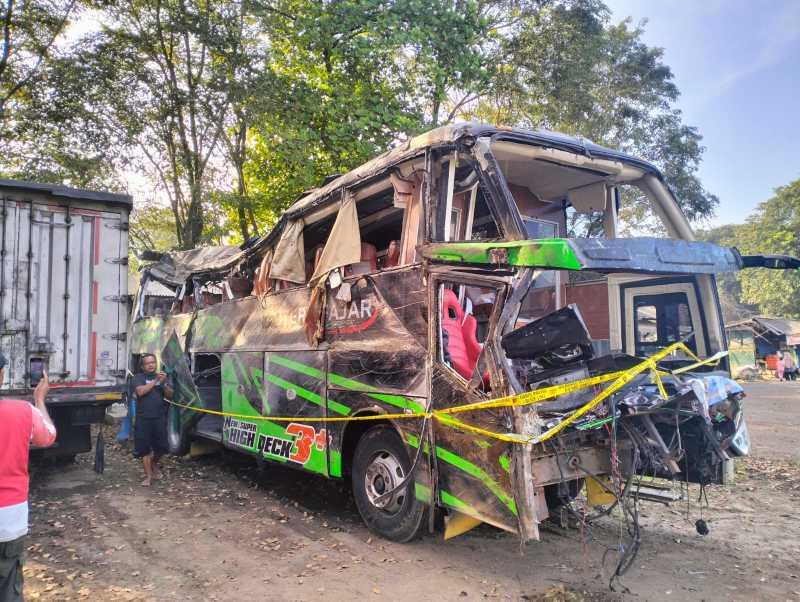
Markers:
(379, 464)
(177, 437)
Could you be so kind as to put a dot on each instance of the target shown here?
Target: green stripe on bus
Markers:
(472, 470)
(450, 500)
(334, 463)
(403, 403)
(399, 401)
(296, 366)
(423, 494)
(308, 395)
(551, 253)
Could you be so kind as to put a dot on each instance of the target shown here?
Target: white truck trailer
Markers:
(64, 301)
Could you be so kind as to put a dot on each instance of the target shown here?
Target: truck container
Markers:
(64, 301)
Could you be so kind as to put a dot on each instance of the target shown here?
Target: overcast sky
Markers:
(737, 65)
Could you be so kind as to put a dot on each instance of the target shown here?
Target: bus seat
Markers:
(187, 304)
(262, 281)
(392, 254)
(317, 256)
(240, 286)
(211, 298)
(368, 263)
(456, 345)
(470, 330)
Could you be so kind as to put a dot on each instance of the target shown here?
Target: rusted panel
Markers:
(570, 465)
(592, 300)
(274, 321)
(405, 293)
(369, 344)
(474, 471)
(150, 335)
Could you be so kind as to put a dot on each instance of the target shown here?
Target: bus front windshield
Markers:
(560, 194)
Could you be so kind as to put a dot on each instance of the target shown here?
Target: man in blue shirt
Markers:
(150, 435)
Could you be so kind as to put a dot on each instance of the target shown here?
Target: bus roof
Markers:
(450, 134)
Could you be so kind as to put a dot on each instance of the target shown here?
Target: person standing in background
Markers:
(150, 432)
(21, 425)
(789, 366)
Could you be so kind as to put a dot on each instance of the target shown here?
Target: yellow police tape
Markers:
(620, 378)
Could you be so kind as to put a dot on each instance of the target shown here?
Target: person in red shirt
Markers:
(21, 425)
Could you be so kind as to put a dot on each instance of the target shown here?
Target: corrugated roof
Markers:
(781, 326)
(777, 326)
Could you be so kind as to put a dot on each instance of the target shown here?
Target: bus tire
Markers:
(178, 440)
(380, 462)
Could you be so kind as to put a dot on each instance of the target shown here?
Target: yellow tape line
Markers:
(620, 378)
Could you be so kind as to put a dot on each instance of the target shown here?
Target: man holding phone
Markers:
(150, 432)
(21, 425)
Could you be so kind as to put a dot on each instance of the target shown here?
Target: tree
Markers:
(774, 229)
(29, 30)
(236, 108)
(164, 66)
(152, 228)
(340, 95)
(53, 133)
(566, 67)
(41, 136)
(728, 284)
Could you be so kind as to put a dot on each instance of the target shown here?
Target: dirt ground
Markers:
(215, 529)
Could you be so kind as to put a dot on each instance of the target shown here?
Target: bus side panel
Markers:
(404, 291)
(256, 385)
(274, 321)
(474, 470)
(370, 345)
(353, 401)
(150, 335)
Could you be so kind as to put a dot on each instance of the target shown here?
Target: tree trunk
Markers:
(242, 199)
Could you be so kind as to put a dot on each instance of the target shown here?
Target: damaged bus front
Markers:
(465, 326)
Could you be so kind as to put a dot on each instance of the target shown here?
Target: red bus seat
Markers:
(462, 346)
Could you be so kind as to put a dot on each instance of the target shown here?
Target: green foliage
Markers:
(341, 93)
(57, 137)
(773, 229)
(152, 228)
(567, 68)
(28, 31)
(45, 136)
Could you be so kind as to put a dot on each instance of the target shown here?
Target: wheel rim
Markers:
(383, 474)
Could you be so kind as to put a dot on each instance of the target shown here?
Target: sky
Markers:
(737, 65)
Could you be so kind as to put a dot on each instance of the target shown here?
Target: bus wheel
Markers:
(380, 463)
(177, 437)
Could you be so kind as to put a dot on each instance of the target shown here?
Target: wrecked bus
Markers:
(461, 327)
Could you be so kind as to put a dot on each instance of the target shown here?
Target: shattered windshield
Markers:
(559, 194)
